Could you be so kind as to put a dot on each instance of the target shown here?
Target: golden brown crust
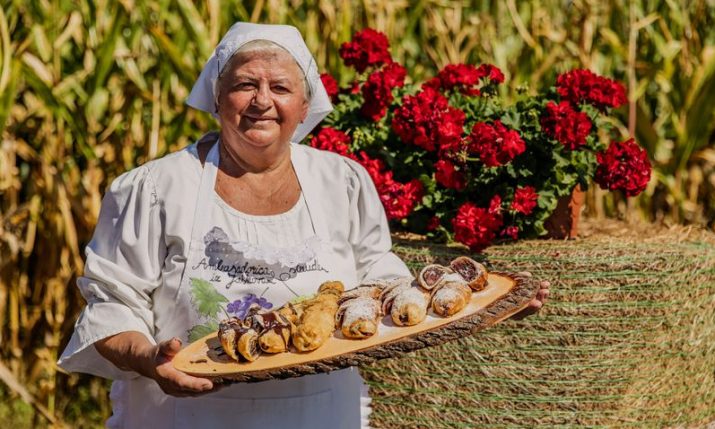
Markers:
(317, 321)
(451, 298)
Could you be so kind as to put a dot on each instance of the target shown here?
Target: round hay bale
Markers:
(627, 339)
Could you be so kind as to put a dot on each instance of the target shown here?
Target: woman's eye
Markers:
(280, 89)
(244, 85)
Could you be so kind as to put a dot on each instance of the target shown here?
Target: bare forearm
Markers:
(128, 351)
(133, 351)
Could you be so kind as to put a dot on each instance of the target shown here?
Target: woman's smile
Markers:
(258, 118)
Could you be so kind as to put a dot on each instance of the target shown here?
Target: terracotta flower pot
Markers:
(563, 222)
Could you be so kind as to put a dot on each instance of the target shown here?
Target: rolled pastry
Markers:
(238, 340)
(359, 312)
(317, 321)
(432, 275)
(451, 297)
(247, 344)
(474, 273)
(405, 302)
(372, 290)
(274, 330)
(227, 335)
(291, 312)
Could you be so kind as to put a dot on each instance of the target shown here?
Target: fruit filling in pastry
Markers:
(432, 275)
(474, 273)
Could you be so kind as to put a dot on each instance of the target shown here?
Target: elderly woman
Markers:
(247, 218)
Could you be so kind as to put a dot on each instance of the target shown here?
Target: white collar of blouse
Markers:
(202, 94)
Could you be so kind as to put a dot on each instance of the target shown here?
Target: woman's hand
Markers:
(536, 303)
(133, 351)
(172, 381)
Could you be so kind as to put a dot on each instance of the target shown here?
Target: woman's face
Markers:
(262, 98)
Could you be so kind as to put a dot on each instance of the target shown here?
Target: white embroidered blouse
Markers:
(138, 253)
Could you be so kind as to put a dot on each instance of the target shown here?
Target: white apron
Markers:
(223, 277)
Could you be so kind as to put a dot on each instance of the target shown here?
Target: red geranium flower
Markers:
(355, 87)
(624, 166)
(461, 76)
(447, 175)
(568, 126)
(427, 120)
(511, 232)
(373, 166)
(495, 205)
(475, 226)
(377, 91)
(367, 48)
(583, 86)
(464, 77)
(433, 223)
(492, 72)
(398, 199)
(495, 144)
(401, 198)
(332, 140)
(525, 200)
(331, 85)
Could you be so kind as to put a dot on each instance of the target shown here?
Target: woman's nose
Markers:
(262, 97)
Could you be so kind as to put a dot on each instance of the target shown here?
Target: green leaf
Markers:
(200, 331)
(208, 301)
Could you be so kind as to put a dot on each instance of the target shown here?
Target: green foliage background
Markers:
(89, 89)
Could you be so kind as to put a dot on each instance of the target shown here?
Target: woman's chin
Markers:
(261, 138)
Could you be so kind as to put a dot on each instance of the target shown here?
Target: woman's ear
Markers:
(304, 114)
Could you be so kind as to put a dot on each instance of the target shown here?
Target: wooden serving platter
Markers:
(505, 295)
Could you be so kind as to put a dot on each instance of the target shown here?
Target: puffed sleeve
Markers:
(124, 262)
(369, 231)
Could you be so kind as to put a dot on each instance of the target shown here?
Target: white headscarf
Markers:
(202, 95)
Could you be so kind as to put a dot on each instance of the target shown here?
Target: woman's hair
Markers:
(264, 46)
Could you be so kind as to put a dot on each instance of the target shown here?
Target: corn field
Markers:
(90, 89)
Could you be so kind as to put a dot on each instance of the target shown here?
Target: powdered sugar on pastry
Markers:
(409, 306)
(451, 297)
(359, 317)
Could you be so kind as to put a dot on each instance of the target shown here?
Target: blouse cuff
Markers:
(97, 321)
(387, 267)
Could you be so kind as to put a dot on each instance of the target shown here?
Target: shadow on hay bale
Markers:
(627, 339)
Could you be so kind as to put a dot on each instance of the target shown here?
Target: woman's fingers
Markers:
(542, 294)
(538, 302)
(524, 273)
(194, 384)
(170, 348)
(172, 381)
(175, 382)
(533, 307)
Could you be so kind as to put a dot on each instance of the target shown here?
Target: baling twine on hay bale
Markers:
(627, 339)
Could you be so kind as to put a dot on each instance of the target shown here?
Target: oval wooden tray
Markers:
(504, 296)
